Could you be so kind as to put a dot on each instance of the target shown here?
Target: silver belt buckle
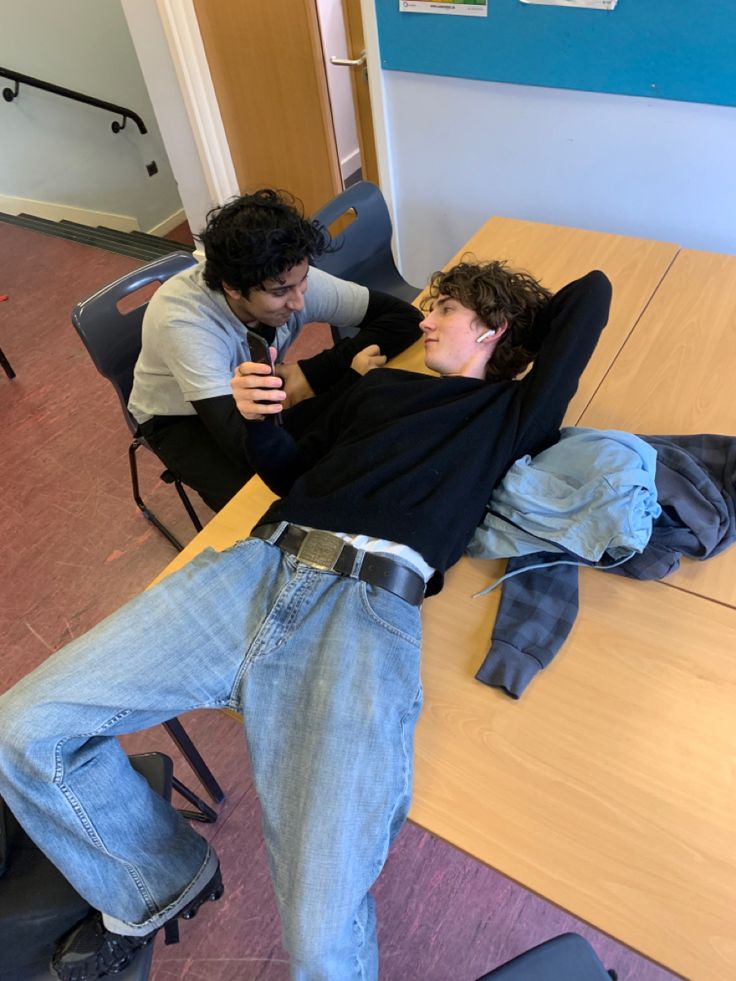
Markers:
(320, 549)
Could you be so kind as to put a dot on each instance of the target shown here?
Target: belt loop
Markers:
(360, 554)
(278, 531)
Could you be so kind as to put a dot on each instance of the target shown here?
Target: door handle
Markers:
(349, 62)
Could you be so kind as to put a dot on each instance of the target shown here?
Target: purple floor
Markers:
(73, 548)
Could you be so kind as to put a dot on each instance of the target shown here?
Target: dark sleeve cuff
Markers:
(508, 668)
(389, 322)
(324, 369)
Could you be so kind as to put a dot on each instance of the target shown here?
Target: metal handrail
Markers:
(89, 100)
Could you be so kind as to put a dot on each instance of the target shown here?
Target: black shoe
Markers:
(89, 950)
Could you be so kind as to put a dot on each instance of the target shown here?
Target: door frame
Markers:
(379, 112)
(185, 51)
(181, 28)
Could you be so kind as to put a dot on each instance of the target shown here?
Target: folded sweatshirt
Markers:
(591, 494)
(696, 488)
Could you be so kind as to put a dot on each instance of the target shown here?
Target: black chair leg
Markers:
(6, 365)
(203, 812)
(187, 504)
(139, 500)
(191, 754)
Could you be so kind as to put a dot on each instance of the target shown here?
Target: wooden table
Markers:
(675, 374)
(607, 788)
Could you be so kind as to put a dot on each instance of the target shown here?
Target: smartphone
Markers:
(259, 350)
(261, 354)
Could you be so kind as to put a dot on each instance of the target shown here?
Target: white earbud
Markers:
(486, 333)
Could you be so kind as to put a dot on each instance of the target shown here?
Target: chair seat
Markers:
(38, 905)
(139, 970)
(384, 277)
(568, 957)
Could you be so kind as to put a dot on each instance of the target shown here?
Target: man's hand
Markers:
(296, 386)
(368, 359)
(253, 384)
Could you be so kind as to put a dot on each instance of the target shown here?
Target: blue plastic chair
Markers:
(113, 340)
(568, 957)
(363, 252)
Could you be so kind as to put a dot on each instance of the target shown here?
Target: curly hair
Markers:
(499, 296)
(258, 237)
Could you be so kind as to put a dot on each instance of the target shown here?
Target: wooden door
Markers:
(269, 75)
(361, 94)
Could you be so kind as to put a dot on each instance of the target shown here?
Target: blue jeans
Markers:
(324, 669)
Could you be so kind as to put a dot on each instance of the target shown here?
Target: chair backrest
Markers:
(568, 957)
(364, 247)
(113, 338)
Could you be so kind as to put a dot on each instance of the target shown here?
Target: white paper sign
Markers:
(467, 8)
(591, 4)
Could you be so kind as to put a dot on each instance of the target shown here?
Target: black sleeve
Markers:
(306, 415)
(569, 327)
(391, 323)
(279, 459)
(275, 455)
(225, 424)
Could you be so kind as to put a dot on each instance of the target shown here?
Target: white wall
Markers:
(461, 151)
(332, 27)
(192, 130)
(65, 152)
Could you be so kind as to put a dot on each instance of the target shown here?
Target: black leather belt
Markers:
(323, 550)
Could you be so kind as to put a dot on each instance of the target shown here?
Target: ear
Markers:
(492, 335)
(235, 294)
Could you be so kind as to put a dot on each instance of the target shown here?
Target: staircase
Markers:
(138, 245)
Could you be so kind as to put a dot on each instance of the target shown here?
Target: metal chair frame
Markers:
(113, 340)
(168, 477)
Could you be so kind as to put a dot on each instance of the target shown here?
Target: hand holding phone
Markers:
(259, 350)
(250, 386)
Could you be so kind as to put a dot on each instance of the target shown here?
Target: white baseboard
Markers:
(57, 212)
(349, 164)
(169, 223)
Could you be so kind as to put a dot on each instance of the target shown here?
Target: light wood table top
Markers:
(557, 255)
(675, 374)
(230, 525)
(608, 787)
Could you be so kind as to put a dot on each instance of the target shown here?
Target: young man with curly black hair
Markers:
(310, 628)
(256, 278)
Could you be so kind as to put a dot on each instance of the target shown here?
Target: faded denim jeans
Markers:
(326, 673)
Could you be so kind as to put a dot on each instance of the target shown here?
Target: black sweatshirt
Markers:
(413, 458)
(389, 322)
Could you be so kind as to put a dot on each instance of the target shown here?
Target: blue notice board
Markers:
(669, 49)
